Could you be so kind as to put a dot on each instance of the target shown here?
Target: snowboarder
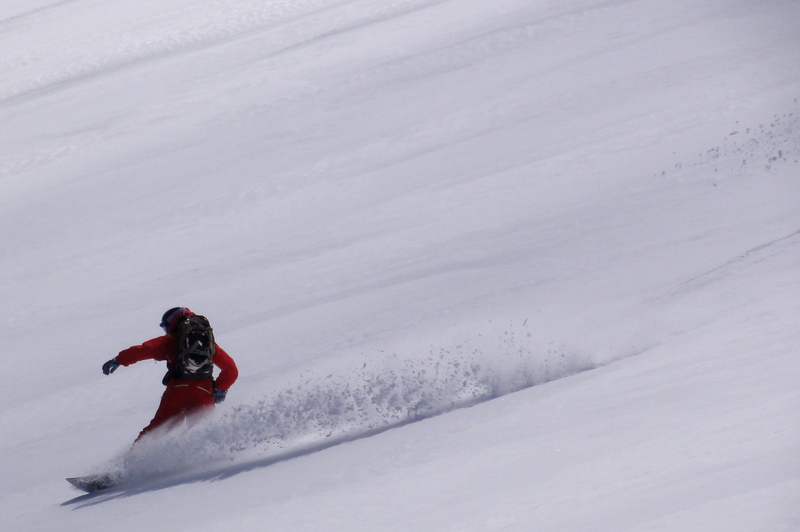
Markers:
(191, 354)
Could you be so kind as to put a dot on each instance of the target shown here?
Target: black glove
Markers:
(219, 396)
(110, 367)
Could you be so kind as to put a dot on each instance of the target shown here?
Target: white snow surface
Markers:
(483, 265)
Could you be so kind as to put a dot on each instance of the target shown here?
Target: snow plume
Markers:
(364, 396)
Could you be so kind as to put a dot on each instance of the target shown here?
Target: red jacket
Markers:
(164, 348)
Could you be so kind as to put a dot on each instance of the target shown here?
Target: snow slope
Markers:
(500, 265)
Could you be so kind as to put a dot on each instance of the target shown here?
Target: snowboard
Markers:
(92, 483)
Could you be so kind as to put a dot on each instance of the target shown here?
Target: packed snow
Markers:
(511, 265)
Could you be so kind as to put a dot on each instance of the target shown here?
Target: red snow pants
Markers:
(181, 399)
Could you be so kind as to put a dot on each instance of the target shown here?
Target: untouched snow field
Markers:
(513, 265)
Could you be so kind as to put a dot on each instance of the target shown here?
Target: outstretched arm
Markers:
(156, 349)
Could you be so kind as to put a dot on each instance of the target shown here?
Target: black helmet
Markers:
(168, 319)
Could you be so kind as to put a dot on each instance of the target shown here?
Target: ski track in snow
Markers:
(287, 29)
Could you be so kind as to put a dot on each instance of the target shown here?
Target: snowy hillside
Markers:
(511, 265)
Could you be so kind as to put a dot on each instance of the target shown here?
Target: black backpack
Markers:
(195, 350)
